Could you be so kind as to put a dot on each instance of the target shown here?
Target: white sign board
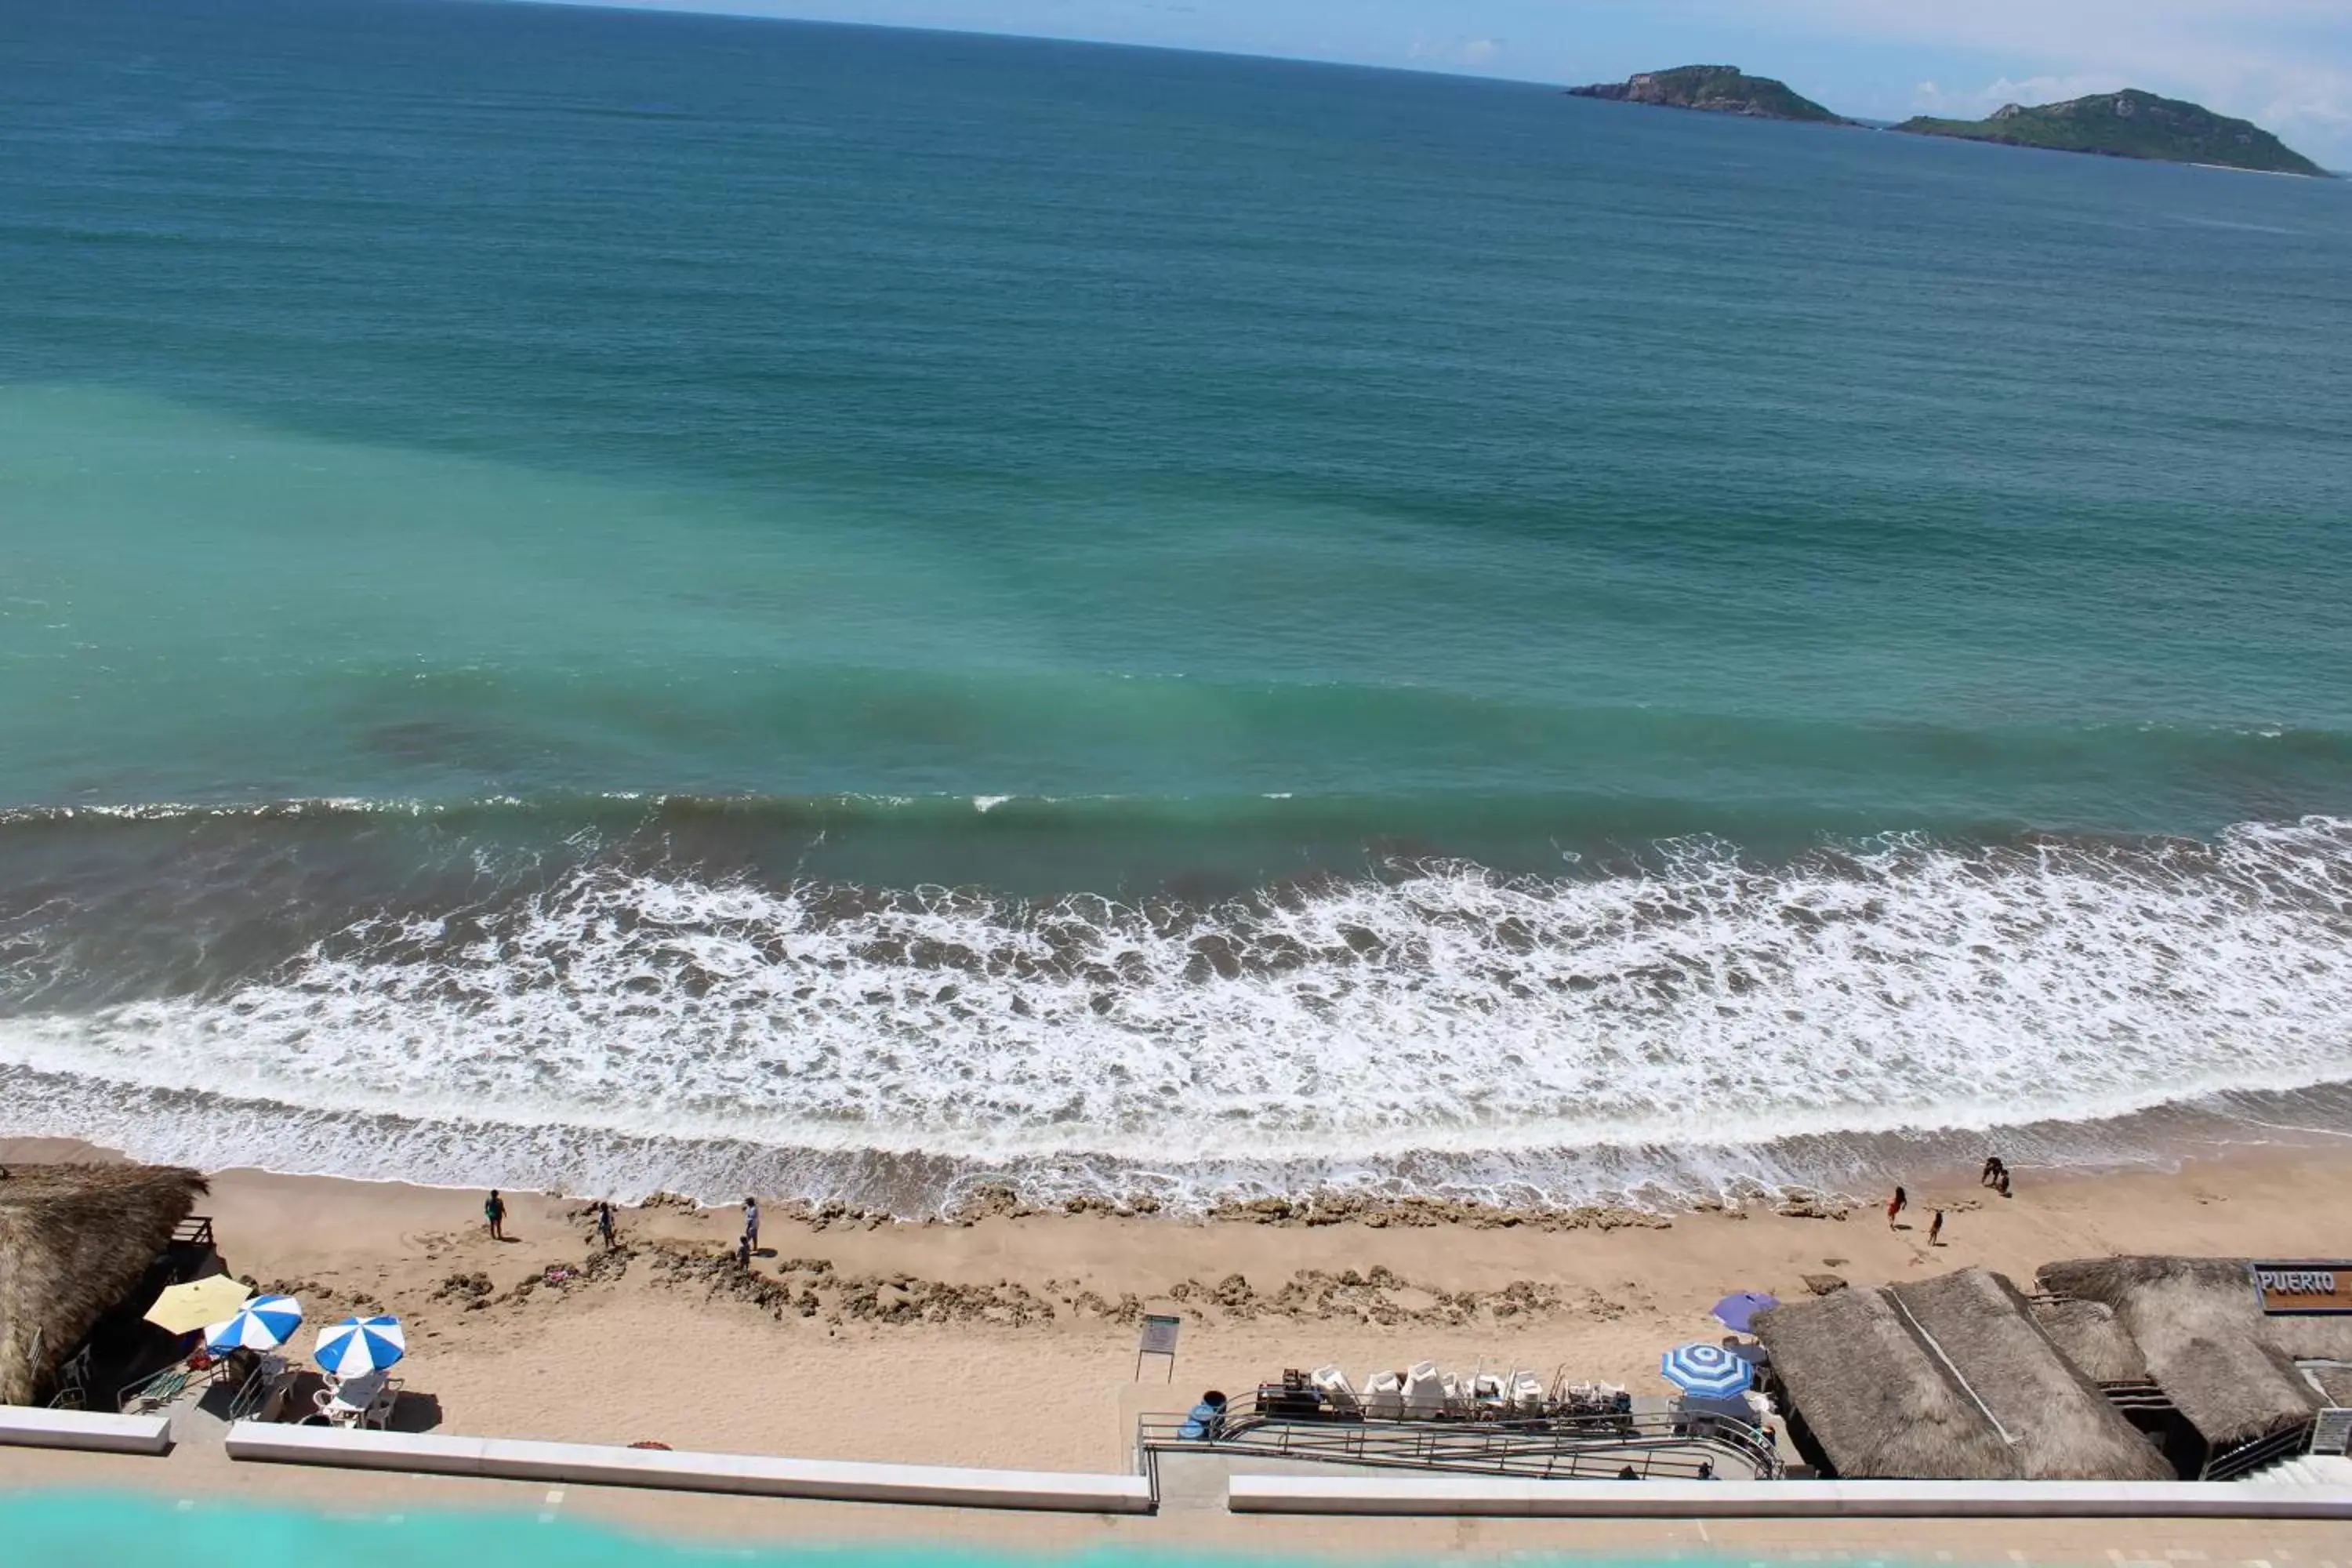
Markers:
(1158, 1339)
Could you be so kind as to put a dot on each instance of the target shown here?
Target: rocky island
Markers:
(2129, 124)
(1717, 90)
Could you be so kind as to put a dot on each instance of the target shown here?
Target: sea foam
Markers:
(1444, 1020)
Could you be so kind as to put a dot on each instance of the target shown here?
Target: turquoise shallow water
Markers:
(114, 1530)
(1435, 628)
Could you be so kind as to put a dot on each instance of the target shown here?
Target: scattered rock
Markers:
(1825, 1284)
(991, 1200)
(1421, 1213)
(1797, 1203)
(466, 1290)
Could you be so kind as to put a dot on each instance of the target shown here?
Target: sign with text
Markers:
(1158, 1339)
(2305, 1290)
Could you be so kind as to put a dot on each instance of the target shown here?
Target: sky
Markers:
(2284, 64)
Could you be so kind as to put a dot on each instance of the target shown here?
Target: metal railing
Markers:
(2287, 1442)
(269, 1374)
(2141, 1395)
(1682, 1446)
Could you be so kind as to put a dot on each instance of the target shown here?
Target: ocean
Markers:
(615, 601)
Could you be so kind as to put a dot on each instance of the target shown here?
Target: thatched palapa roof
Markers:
(1947, 1379)
(2089, 1335)
(2057, 1423)
(2226, 1367)
(1872, 1396)
(74, 1240)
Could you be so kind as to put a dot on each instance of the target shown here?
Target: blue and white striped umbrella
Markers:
(358, 1345)
(261, 1324)
(1708, 1371)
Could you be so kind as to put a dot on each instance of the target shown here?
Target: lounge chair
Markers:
(146, 1399)
(1384, 1396)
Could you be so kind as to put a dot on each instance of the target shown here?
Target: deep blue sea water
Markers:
(623, 599)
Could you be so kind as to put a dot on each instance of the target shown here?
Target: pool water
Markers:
(112, 1530)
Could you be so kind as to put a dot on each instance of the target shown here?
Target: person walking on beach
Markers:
(751, 1227)
(604, 1222)
(2002, 1186)
(1896, 1205)
(494, 1209)
(1935, 1230)
(1993, 1171)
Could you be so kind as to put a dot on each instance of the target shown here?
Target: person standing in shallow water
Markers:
(494, 1209)
(750, 1226)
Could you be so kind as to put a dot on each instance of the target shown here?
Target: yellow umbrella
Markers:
(184, 1309)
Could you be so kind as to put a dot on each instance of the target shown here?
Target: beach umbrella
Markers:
(184, 1309)
(261, 1324)
(1737, 1310)
(360, 1345)
(1709, 1371)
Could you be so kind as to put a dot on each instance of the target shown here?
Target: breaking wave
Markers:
(617, 1027)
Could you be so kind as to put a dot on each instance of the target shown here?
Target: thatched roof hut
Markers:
(2090, 1335)
(2227, 1368)
(1872, 1396)
(74, 1240)
(2056, 1423)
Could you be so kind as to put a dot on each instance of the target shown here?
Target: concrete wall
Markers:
(753, 1474)
(28, 1427)
(1785, 1500)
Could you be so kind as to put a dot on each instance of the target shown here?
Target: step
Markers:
(2322, 1471)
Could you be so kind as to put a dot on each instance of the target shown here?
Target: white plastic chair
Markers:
(1424, 1392)
(1337, 1391)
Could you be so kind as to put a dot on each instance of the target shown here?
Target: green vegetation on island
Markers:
(1717, 90)
(2129, 124)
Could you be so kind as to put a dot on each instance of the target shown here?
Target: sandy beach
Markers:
(1009, 1339)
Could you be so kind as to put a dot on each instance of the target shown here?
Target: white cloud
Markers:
(2280, 63)
(1469, 54)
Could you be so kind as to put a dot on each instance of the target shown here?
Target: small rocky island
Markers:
(1717, 90)
(2129, 124)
